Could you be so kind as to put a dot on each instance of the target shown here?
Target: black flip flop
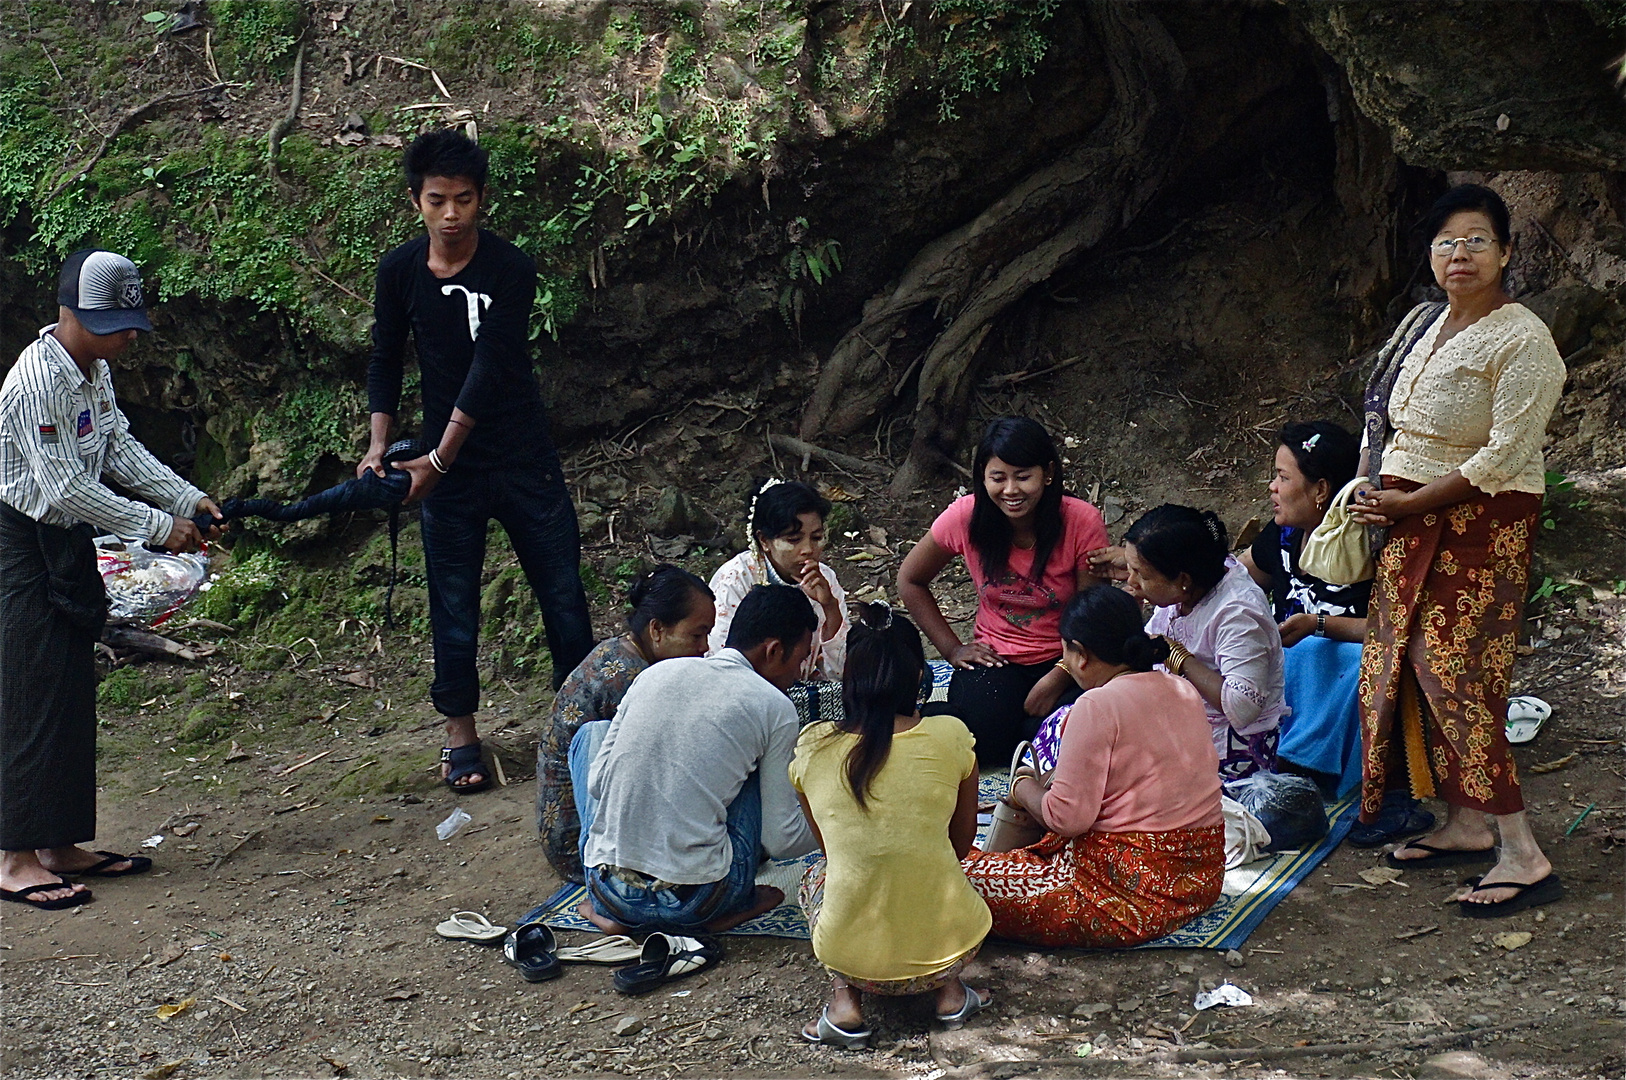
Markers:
(139, 864)
(21, 896)
(530, 948)
(1438, 857)
(667, 957)
(464, 761)
(1532, 895)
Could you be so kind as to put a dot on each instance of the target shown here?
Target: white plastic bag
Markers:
(149, 585)
(453, 824)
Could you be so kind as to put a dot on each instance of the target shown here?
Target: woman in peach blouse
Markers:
(1134, 842)
(1456, 415)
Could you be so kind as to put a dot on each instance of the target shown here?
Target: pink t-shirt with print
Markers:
(1017, 620)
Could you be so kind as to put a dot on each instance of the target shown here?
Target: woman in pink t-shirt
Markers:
(1024, 544)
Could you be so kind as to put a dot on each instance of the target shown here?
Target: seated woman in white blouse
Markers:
(1220, 625)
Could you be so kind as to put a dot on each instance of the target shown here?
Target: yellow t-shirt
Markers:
(896, 903)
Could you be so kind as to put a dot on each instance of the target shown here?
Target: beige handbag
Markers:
(1013, 827)
(1337, 551)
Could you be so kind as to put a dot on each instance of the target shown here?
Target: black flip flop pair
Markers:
(139, 864)
(533, 952)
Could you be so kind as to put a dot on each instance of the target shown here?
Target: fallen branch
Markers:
(422, 67)
(126, 122)
(806, 450)
(235, 848)
(273, 141)
(307, 761)
(148, 644)
(1258, 1053)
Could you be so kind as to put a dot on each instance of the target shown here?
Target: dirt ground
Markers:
(299, 881)
(297, 917)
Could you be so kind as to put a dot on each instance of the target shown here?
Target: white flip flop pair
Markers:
(475, 927)
(1525, 715)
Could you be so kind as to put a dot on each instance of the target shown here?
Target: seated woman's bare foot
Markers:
(767, 899)
(609, 926)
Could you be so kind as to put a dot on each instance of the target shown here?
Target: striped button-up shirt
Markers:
(60, 433)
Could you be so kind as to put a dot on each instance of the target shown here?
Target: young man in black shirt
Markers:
(464, 294)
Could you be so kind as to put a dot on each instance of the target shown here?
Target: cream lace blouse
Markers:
(1479, 405)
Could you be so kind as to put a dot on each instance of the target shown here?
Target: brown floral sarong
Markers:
(1100, 890)
(1446, 606)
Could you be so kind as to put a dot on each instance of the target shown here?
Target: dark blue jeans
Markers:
(533, 507)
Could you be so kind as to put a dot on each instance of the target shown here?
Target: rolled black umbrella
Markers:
(367, 492)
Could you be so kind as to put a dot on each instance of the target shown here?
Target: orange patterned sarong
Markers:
(1100, 890)
(1446, 607)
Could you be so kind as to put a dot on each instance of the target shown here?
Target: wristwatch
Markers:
(1321, 624)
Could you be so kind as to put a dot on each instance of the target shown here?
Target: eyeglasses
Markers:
(1475, 245)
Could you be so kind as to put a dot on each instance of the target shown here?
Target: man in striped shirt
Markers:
(61, 432)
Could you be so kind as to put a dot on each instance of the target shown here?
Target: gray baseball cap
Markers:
(103, 290)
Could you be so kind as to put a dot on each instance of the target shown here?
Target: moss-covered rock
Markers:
(124, 688)
(207, 723)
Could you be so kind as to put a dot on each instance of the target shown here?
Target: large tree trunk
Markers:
(975, 272)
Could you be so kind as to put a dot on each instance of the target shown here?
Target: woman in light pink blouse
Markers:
(1135, 842)
(1456, 413)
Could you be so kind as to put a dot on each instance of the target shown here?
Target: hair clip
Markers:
(1308, 445)
(874, 616)
(751, 514)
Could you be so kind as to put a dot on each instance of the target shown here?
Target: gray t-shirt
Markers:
(687, 736)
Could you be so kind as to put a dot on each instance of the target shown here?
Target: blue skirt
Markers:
(1323, 732)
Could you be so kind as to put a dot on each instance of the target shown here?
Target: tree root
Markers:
(805, 450)
(273, 139)
(1014, 1067)
(974, 273)
(126, 122)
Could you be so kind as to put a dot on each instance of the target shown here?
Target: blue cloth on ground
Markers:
(1323, 732)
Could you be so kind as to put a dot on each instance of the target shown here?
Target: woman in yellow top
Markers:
(1455, 420)
(892, 797)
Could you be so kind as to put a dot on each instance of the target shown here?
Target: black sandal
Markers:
(464, 761)
(1438, 858)
(1530, 895)
(139, 864)
(21, 896)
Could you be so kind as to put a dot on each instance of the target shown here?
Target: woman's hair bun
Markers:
(1144, 653)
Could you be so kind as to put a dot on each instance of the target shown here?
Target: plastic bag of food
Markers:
(1288, 806)
(149, 585)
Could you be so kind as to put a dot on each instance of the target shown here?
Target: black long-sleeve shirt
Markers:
(473, 350)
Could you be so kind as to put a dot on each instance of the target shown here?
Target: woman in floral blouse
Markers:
(672, 613)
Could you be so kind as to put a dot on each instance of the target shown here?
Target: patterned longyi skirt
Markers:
(1100, 890)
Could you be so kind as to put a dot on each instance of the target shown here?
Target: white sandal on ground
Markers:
(1525, 715)
(471, 926)
(612, 949)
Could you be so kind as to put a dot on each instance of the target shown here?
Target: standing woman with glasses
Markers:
(1456, 413)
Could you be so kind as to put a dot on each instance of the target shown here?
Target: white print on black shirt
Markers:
(474, 299)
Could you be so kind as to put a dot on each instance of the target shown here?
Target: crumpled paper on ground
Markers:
(1223, 994)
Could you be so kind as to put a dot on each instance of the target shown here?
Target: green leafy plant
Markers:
(1557, 484)
(257, 33)
(814, 262)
